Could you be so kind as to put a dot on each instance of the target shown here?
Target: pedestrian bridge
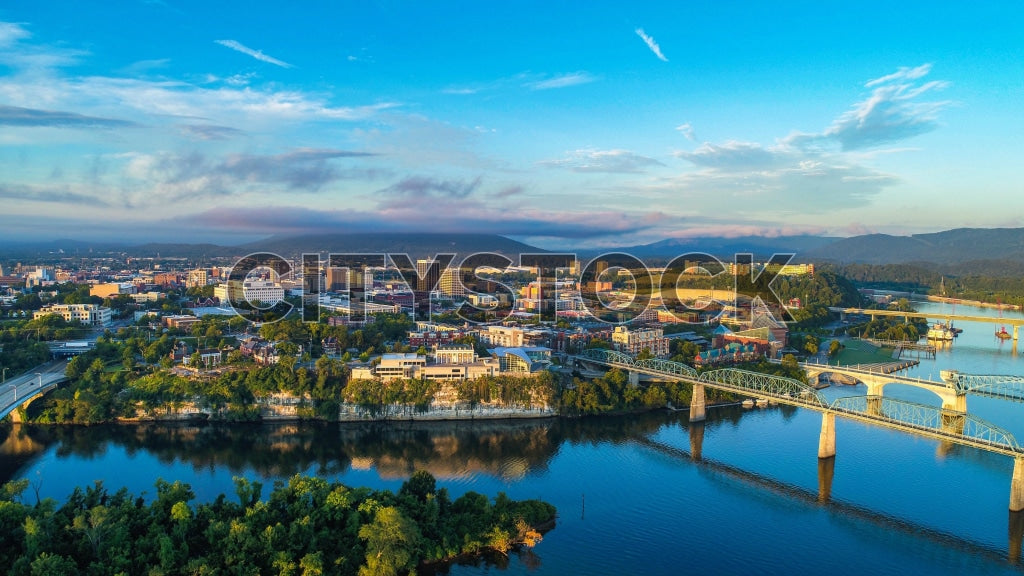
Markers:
(990, 385)
(877, 381)
(953, 389)
(945, 424)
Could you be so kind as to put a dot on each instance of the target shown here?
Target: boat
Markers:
(940, 331)
(1002, 334)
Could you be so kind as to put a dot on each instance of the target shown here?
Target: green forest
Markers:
(305, 527)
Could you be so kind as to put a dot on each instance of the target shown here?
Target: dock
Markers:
(899, 347)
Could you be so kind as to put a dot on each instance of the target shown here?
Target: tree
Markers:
(391, 540)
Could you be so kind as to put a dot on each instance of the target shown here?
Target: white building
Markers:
(263, 291)
(454, 354)
(503, 337)
(89, 314)
(635, 341)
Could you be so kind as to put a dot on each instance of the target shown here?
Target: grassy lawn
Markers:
(859, 352)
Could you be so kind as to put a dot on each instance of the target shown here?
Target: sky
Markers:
(561, 124)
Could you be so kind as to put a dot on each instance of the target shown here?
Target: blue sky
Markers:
(562, 124)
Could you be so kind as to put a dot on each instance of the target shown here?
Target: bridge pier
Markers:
(634, 378)
(827, 439)
(1016, 530)
(696, 430)
(874, 405)
(826, 471)
(697, 404)
(958, 404)
(953, 421)
(1017, 485)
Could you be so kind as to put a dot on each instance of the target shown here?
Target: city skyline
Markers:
(612, 125)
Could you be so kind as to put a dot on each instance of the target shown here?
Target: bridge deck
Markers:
(812, 400)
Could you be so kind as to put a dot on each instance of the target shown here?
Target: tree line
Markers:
(308, 527)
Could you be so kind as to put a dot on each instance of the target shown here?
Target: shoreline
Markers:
(398, 417)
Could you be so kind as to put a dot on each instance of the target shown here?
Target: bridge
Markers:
(71, 348)
(1015, 322)
(22, 390)
(944, 424)
(1003, 387)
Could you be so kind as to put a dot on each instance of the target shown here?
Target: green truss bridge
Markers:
(945, 424)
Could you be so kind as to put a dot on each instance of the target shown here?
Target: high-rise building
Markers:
(198, 277)
(427, 275)
(450, 285)
(336, 279)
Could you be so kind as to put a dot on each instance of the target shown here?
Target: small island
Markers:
(305, 527)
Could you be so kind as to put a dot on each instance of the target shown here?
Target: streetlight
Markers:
(5, 376)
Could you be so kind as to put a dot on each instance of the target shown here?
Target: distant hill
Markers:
(761, 247)
(964, 250)
(952, 247)
(415, 245)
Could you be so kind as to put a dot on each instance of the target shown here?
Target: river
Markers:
(632, 497)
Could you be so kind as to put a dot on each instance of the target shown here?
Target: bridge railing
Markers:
(655, 364)
(767, 384)
(935, 419)
(991, 384)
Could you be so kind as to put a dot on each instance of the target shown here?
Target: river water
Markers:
(650, 494)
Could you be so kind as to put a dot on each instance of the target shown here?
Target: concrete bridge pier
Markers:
(696, 430)
(634, 378)
(953, 421)
(1016, 536)
(874, 405)
(827, 439)
(697, 404)
(826, 470)
(959, 403)
(1017, 485)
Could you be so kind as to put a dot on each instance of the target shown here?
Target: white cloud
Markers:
(777, 180)
(687, 131)
(11, 33)
(611, 161)
(562, 81)
(903, 73)
(892, 112)
(651, 44)
(257, 54)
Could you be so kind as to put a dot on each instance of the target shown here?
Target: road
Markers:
(21, 386)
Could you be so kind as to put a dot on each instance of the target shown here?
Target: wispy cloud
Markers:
(257, 54)
(144, 66)
(903, 73)
(176, 177)
(734, 155)
(892, 112)
(687, 131)
(610, 161)
(209, 131)
(466, 218)
(421, 187)
(39, 194)
(17, 116)
(562, 81)
(11, 33)
(651, 44)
